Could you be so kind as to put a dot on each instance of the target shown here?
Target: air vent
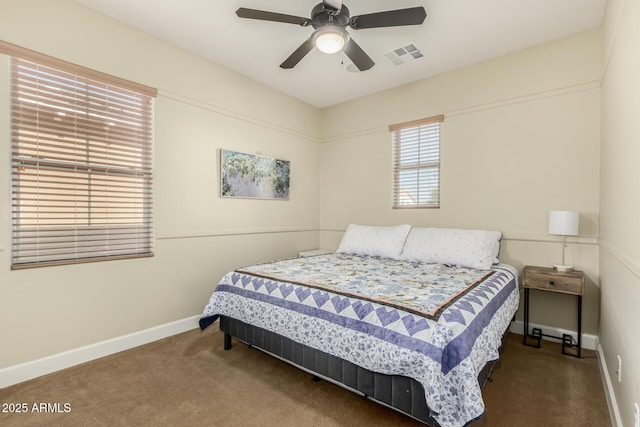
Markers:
(404, 54)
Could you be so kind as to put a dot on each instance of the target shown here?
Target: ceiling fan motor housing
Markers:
(321, 16)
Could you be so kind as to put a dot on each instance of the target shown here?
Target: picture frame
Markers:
(252, 176)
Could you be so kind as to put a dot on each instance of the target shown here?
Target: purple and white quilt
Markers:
(437, 324)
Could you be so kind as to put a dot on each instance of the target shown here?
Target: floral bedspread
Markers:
(425, 289)
(437, 324)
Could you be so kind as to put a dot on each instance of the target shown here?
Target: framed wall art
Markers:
(252, 176)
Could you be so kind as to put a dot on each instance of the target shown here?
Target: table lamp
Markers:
(564, 223)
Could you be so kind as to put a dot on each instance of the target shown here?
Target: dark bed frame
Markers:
(401, 393)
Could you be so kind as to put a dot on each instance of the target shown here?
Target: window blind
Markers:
(82, 166)
(416, 163)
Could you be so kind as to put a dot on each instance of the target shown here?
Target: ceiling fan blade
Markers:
(390, 18)
(358, 56)
(298, 54)
(333, 4)
(262, 15)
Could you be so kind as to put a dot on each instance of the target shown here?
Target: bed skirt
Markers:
(401, 393)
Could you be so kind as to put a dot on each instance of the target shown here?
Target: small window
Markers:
(416, 163)
(82, 173)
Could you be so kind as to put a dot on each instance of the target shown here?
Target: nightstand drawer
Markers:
(552, 281)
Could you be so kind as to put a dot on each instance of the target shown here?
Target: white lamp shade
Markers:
(564, 223)
(330, 40)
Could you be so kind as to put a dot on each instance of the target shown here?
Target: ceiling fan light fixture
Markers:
(330, 39)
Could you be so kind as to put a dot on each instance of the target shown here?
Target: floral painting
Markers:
(252, 176)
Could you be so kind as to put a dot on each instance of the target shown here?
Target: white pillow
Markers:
(374, 241)
(465, 248)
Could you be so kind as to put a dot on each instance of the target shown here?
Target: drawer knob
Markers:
(551, 282)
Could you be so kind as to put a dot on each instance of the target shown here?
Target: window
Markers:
(82, 173)
(416, 163)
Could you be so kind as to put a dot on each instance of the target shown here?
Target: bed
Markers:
(383, 316)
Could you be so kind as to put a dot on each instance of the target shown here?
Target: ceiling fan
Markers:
(329, 19)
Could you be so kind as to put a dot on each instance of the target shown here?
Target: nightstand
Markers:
(550, 280)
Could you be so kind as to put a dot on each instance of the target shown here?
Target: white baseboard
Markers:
(614, 412)
(36, 368)
(588, 341)
(29, 370)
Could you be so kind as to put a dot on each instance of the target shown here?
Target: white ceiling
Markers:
(455, 33)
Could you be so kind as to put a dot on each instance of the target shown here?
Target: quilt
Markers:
(435, 323)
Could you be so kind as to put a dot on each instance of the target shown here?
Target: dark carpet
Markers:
(189, 380)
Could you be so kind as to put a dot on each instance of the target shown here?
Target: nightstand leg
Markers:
(526, 316)
(579, 324)
(536, 334)
(567, 340)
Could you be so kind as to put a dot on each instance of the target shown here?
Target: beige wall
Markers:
(620, 202)
(520, 138)
(201, 107)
